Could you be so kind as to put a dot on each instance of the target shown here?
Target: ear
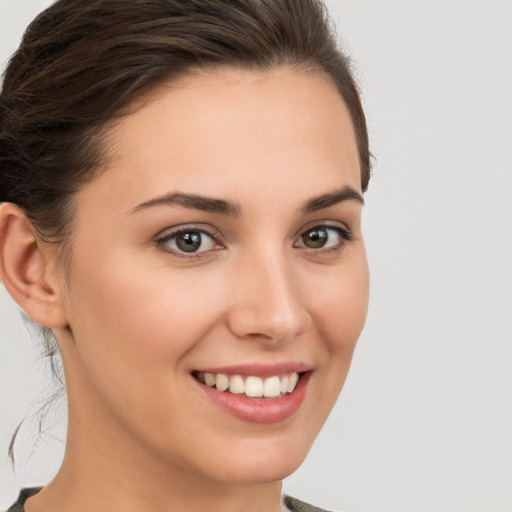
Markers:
(28, 268)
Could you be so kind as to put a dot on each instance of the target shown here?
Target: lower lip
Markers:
(259, 410)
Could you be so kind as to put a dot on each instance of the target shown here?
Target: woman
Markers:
(181, 187)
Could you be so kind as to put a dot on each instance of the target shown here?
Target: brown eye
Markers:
(189, 241)
(324, 237)
(315, 238)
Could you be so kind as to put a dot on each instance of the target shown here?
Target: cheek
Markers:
(142, 305)
(134, 327)
(134, 324)
(340, 306)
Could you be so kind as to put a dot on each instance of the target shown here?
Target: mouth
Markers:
(266, 395)
(251, 386)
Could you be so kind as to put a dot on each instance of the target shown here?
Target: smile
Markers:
(251, 386)
(256, 394)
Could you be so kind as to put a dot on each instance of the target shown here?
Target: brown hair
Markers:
(83, 63)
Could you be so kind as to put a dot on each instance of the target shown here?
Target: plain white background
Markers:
(425, 420)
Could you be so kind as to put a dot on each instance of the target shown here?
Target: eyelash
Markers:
(344, 232)
(164, 241)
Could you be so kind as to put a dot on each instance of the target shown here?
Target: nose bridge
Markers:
(268, 300)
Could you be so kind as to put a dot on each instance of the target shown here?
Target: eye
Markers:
(324, 237)
(189, 241)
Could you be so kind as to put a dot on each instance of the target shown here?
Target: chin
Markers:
(253, 464)
(262, 471)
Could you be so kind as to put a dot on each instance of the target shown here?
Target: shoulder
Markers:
(293, 504)
(24, 495)
(296, 505)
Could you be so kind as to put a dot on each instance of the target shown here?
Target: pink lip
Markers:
(259, 370)
(258, 410)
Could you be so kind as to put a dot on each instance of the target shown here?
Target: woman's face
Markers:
(223, 243)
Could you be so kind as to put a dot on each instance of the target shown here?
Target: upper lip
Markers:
(258, 369)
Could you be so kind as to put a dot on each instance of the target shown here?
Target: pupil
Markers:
(315, 238)
(189, 242)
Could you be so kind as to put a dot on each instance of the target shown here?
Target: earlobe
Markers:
(27, 270)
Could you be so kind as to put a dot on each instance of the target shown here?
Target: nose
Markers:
(267, 303)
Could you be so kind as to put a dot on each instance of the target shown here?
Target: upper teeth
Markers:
(270, 387)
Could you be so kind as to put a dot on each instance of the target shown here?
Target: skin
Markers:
(133, 319)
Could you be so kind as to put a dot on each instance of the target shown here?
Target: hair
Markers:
(83, 64)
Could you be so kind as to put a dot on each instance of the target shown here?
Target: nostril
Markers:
(263, 323)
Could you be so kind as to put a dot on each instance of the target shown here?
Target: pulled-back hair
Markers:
(82, 64)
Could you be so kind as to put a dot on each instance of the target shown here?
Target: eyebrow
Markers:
(197, 202)
(233, 209)
(332, 198)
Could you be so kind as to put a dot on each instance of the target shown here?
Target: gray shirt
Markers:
(293, 504)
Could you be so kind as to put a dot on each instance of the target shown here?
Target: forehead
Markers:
(230, 132)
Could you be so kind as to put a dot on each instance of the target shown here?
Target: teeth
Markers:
(253, 386)
(221, 382)
(236, 385)
(209, 379)
(271, 387)
(284, 385)
(292, 382)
